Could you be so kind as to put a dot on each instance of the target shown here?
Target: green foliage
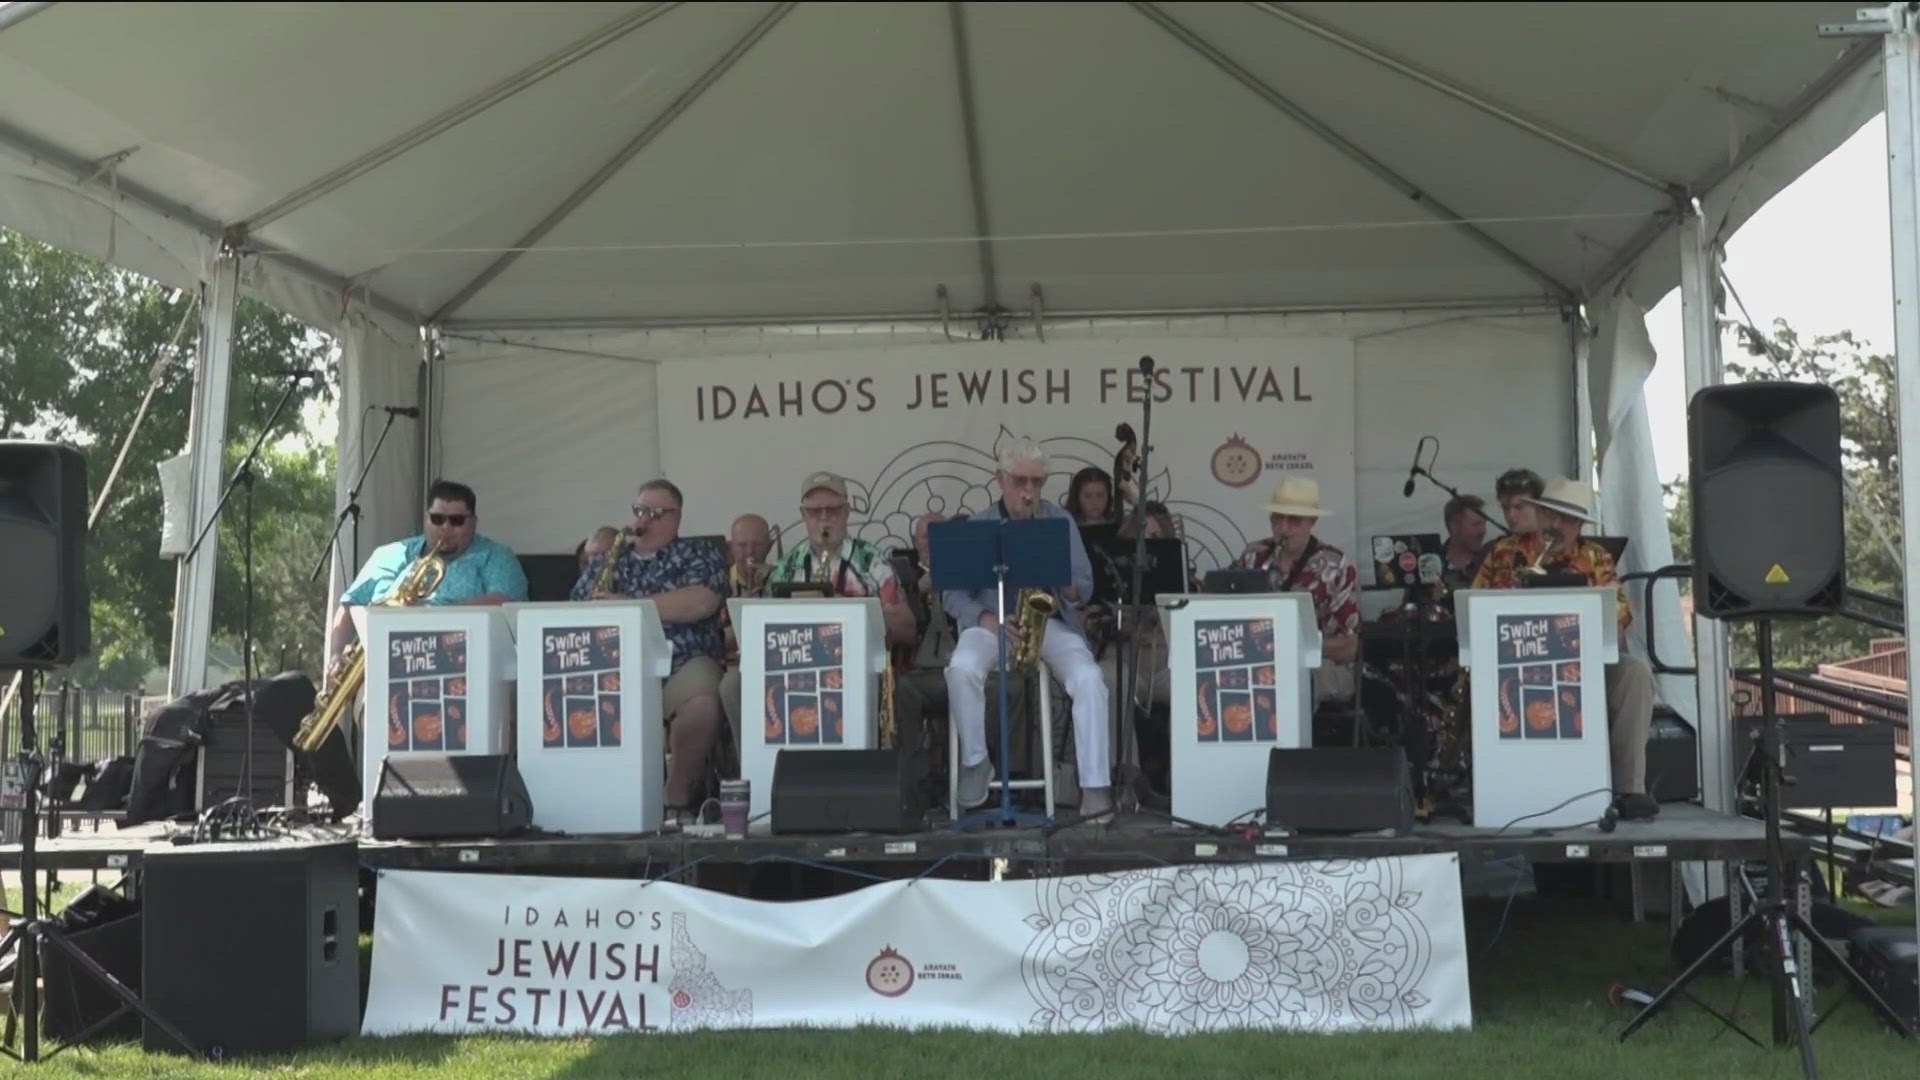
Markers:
(78, 341)
(1870, 447)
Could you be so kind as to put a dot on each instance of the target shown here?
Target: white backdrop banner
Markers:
(916, 429)
(1313, 946)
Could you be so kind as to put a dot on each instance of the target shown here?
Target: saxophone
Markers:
(1031, 612)
(603, 582)
(889, 730)
(349, 670)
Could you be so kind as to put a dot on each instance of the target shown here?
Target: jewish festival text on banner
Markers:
(916, 429)
(1306, 946)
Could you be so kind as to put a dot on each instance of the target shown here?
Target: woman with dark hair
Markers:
(1090, 497)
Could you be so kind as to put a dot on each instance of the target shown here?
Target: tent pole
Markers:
(1901, 60)
(1700, 346)
(976, 170)
(206, 437)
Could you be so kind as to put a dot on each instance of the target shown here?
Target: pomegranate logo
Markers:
(889, 974)
(1236, 463)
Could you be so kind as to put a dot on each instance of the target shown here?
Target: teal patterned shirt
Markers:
(487, 566)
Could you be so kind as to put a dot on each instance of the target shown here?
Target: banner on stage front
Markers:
(917, 429)
(1307, 946)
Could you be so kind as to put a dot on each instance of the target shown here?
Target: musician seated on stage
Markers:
(1553, 545)
(687, 582)
(1022, 473)
(479, 570)
(749, 543)
(843, 567)
(1296, 560)
(1090, 497)
(1515, 490)
(1466, 520)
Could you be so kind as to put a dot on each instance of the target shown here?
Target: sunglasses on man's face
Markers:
(455, 520)
(651, 513)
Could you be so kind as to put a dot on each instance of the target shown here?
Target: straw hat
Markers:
(1297, 496)
(1569, 497)
(830, 481)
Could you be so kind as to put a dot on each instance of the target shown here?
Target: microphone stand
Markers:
(1126, 661)
(1455, 492)
(243, 478)
(352, 509)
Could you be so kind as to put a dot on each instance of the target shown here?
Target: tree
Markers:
(77, 342)
(1870, 456)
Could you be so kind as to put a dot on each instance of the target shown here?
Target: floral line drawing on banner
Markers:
(1309, 946)
(920, 479)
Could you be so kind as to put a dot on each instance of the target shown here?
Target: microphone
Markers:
(409, 411)
(1146, 364)
(1413, 471)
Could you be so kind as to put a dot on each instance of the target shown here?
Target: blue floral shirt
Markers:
(487, 566)
(676, 566)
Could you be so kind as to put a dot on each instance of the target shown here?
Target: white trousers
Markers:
(977, 654)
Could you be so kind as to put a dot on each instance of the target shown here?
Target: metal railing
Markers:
(95, 724)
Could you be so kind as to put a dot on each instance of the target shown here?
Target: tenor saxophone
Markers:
(1031, 612)
(349, 670)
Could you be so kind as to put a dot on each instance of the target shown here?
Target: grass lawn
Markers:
(1540, 1010)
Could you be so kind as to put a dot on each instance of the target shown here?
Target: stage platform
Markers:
(1682, 832)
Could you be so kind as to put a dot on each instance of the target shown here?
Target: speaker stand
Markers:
(1780, 922)
(32, 935)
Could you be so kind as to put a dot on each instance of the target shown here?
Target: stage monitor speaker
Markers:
(1341, 789)
(450, 796)
(1831, 764)
(44, 620)
(1673, 757)
(827, 791)
(1769, 537)
(252, 947)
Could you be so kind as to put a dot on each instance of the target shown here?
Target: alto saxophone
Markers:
(1030, 614)
(603, 581)
(349, 670)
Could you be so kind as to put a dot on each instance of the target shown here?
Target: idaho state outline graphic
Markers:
(697, 998)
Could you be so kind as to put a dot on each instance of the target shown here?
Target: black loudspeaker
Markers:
(1769, 535)
(1340, 789)
(1886, 957)
(1831, 764)
(1673, 757)
(252, 947)
(43, 537)
(450, 796)
(827, 791)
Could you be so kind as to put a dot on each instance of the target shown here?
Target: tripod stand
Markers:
(1778, 922)
(32, 934)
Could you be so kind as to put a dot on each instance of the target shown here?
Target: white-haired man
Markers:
(1022, 473)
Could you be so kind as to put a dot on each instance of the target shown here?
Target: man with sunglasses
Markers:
(687, 582)
(1022, 473)
(479, 570)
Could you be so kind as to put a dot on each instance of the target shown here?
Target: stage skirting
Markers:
(1299, 946)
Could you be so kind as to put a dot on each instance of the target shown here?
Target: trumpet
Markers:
(349, 670)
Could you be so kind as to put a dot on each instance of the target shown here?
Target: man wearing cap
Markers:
(1297, 560)
(845, 567)
(1022, 473)
(1558, 514)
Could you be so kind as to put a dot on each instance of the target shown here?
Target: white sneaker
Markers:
(974, 782)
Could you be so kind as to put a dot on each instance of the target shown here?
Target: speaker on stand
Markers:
(43, 533)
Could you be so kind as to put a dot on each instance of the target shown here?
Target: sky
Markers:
(1817, 256)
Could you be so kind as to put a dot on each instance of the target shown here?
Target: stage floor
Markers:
(1683, 831)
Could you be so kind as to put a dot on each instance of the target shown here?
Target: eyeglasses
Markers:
(455, 520)
(818, 513)
(653, 513)
(1025, 481)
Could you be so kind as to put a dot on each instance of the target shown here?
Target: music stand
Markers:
(993, 553)
(1165, 570)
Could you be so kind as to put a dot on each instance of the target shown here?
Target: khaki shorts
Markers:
(699, 675)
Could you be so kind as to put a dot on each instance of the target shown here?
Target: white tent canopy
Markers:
(558, 175)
